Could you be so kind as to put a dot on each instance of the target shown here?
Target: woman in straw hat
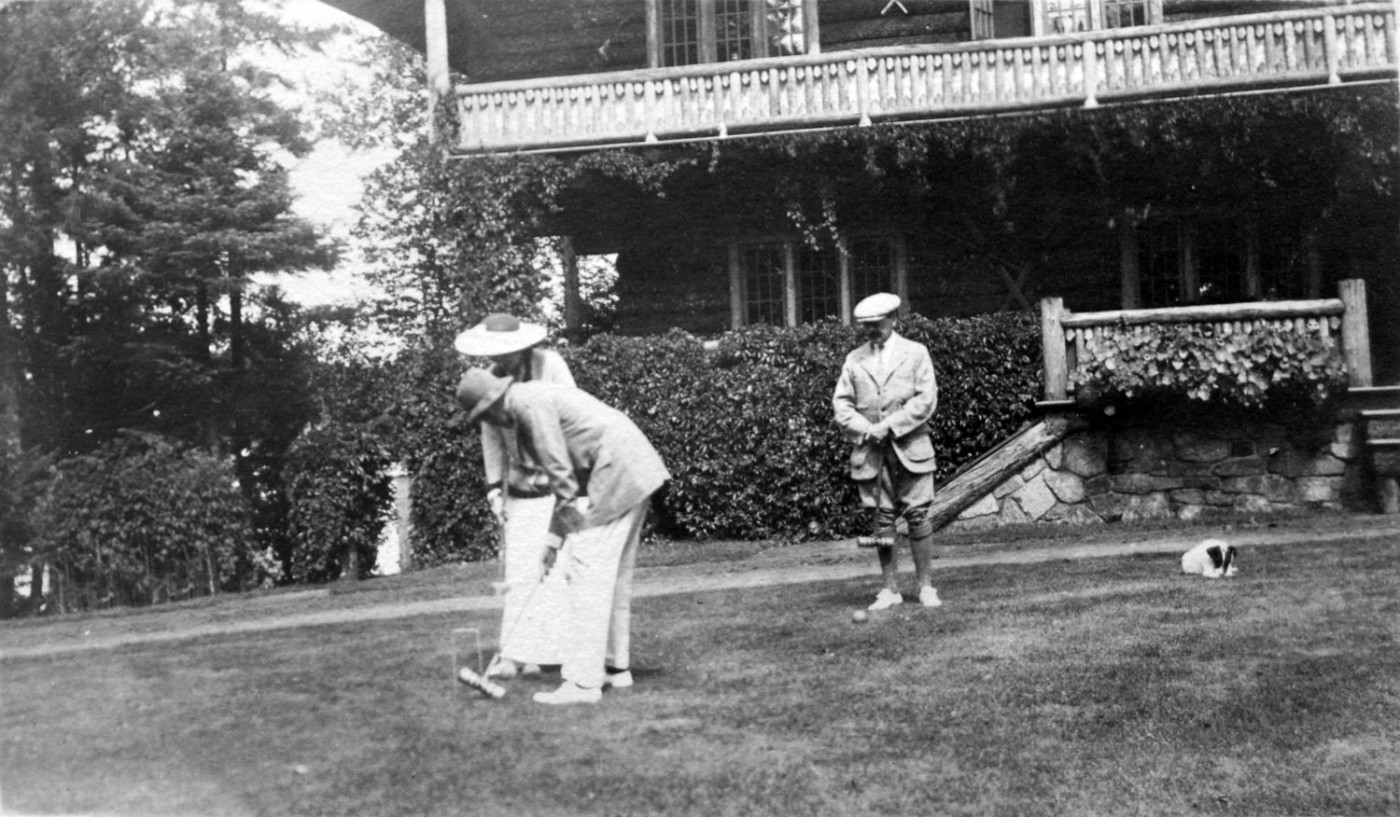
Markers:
(581, 443)
(520, 498)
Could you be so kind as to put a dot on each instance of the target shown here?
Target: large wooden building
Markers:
(575, 76)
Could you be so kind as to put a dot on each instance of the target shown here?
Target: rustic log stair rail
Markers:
(1317, 47)
(1066, 337)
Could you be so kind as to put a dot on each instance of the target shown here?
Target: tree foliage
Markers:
(143, 183)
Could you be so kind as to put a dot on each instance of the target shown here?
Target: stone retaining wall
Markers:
(1133, 470)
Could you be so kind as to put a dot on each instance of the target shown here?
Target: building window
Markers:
(1220, 264)
(773, 280)
(1124, 13)
(692, 32)
(1159, 265)
(1195, 261)
(1071, 16)
(680, 32)
(1065, 16)
(765, 284)
(872, 262)
(818, 285)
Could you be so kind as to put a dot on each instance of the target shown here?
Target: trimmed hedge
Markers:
(339, 497)
(747, 429)
(144, 520)
(744, 423)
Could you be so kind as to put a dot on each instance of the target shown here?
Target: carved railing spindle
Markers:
(1335, 44)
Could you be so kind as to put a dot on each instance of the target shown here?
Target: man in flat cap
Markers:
(580, 445)
(520, 498)
(883, 402)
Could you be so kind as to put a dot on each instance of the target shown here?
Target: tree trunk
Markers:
(201, 316)
(235, 328)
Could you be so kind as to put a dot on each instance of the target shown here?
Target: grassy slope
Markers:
(1107, 686)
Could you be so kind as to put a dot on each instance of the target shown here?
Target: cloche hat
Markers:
(478, 390)
(499, 334)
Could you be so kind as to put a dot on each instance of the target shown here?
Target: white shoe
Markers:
(618, 680)
(504, 668)
(530, 669)
(570, 693)
(928, 597)
(886, 599)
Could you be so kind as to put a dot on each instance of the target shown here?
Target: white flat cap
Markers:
(877, 306)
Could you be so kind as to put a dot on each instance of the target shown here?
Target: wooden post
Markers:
(736, 289)
(791, 306)
(1314, 283)
(653, 35)
(847, 300)
(1052, 342)
(1356, 335)
(811, 27)
(403, 515)
(1131, 294)
(1253, 278)
(573, 304)
(439, 74)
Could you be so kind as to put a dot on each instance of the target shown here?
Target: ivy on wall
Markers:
(1267, 364)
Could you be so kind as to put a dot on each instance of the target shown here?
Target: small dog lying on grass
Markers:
(1212, 558)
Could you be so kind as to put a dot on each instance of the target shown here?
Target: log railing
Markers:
(1068, 338)
(1299, 48)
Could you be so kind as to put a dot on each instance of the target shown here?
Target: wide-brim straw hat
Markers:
(478, 390)
(499, 334)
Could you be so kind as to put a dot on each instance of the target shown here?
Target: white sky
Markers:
(329, 181)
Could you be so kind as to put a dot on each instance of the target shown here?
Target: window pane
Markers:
(680, 32)
(1063, 16)
(733, 30)
(763, 284)
(983, 20)
(1124, 13)
(1159, 264)
(1220, 263)
(818, 285)
(872, 267)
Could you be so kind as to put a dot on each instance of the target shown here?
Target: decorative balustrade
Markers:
(1070, 340)
(1315, 47)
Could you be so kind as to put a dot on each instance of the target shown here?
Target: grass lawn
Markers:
(1096, 687)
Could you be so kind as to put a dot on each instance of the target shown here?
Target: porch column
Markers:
(439, 76)
(573, 304)
(1253, 278)
(403, 514)
(1052, 351)
(1131, 295)
(736, 289)
(812, 27)
(653, 35)
(1356, 334)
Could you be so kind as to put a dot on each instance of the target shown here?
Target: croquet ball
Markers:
(859, 617)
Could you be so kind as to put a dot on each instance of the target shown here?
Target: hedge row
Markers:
(746, 426)
(144, 520)
(743, 422)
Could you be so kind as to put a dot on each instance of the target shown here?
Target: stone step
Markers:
(1381, 423)
(1372, 398)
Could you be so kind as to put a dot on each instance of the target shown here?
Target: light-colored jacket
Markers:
(903, 396)
(583, 446)
(545, 365)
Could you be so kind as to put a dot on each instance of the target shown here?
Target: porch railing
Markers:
(1339, 322)
(1298, 48)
